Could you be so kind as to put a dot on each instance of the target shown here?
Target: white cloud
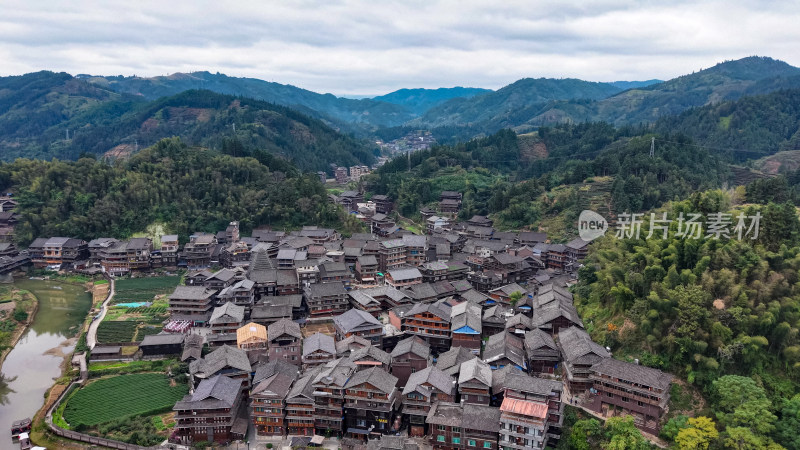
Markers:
(366, 47)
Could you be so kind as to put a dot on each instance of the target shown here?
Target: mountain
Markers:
(420, 100)
(634, 84)
(31, 104)
(746, 128)
(530, 103)
(512, 104)
(36, 110)
(339, 111)
(729, 80)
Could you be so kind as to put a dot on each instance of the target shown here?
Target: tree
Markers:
(622, 434)
(787, 431)
(584, 434)
(699, 433)
(515, 297)
(673, 426)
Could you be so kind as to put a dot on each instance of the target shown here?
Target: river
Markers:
(31, 367)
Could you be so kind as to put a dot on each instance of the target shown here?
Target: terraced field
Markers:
(120, 397)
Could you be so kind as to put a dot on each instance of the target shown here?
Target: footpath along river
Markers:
(35, 362)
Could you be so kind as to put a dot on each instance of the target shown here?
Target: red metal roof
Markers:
(524, 407)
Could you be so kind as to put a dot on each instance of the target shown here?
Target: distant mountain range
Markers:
(46, 115)
(102, 114)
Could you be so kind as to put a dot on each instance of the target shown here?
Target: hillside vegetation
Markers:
(38, 110)
(189, 189)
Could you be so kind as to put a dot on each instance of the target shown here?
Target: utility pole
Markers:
(409, 160)
(67, 133)
(652, 147)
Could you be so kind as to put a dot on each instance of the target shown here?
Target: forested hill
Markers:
(512, 104)
(186, 189)
(520, 107)
(756, 125)
(38, 110)
(369, 112)
(546, 179)
(421, 100)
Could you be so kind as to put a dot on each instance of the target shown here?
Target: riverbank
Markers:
(30, 305)
(39, 364)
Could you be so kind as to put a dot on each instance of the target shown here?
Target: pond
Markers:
(35, 362)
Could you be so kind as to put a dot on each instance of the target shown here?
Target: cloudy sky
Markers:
(369, 47)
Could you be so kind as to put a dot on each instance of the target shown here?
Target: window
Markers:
(440, 427)
(440, 438)
(361, 422)
(471, 442)
(456, 430)
(487, 445)
(625, 399)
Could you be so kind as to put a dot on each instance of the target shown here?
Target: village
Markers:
(462, 337)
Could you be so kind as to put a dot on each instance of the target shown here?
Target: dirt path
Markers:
(91, 336)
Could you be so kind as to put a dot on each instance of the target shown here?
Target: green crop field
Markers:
(144, 289)
(122, 396)
(121, 331)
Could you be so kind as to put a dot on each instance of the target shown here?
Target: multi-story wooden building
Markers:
(209, 414)
(580, 353)
(532, 412)
(128, 256)
(626, 388)
(466, 326)
(425, 387)
(404, 277)
(392, 255)
(371, 399)
(198, 251)
(366, 269)
(191, 303)
(318, 349)
(453, 426)
(268, 405)
(542, 351)
(475, 382)
(329, 386)
(383, 204)
(356, 322)
(285, 341)
(227, 361)
(300, 406)
(505, 349)
(409, 356)
(326, 299)
(224, 321)
(170, 248)
(59, 252)
(431, 322)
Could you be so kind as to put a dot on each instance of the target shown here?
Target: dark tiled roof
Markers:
(577, 346)
(433, 376)
(413, 345)
(451, 360)
(319, 341)
(267, 369)
(477, 371)
(191, 293)
(371, 352)
(537, 338)
(447, 414)
(326, 289)
(225, 356)
(375, 376)
(353, 319)
(634, 373)
(481, 417)
(521, 382)
(505, 345)
(213, 393)
(275, 386)
(284, 326)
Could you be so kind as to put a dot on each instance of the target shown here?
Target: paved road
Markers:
(91, 336)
